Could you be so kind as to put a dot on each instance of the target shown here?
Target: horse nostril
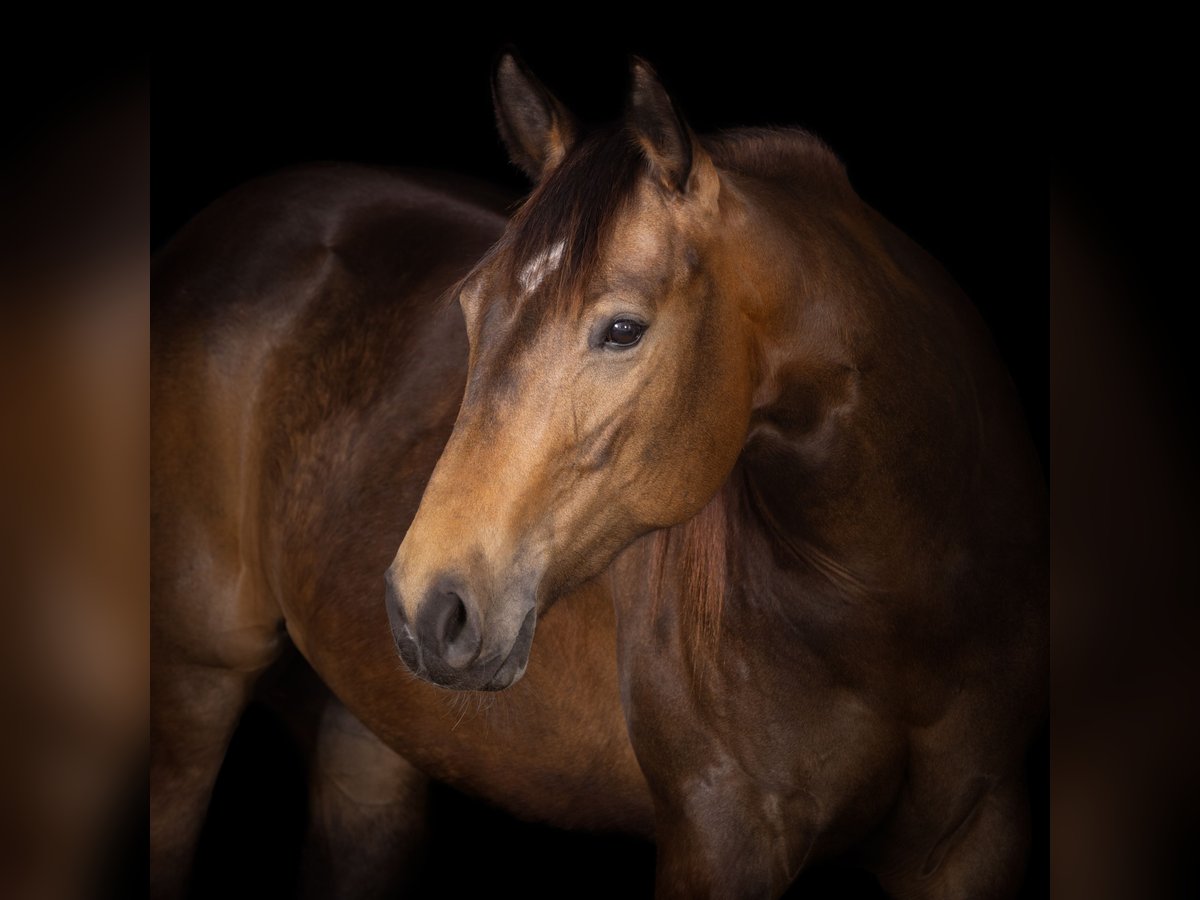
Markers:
(455, 620)
(447, 629)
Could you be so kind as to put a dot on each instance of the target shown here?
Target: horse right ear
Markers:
(535, 127)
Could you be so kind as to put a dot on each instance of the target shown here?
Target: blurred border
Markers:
(1125, 787)
(74, 399)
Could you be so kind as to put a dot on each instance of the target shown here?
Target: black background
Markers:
(941, 130)
(940, 125)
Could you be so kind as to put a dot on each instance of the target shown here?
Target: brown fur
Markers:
(809, 483)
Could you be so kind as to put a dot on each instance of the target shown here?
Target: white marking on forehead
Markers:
(540, 266)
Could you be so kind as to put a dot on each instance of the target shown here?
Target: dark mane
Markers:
(577, 204)
(579, 201)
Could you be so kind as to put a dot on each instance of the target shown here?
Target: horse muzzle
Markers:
(447, 644)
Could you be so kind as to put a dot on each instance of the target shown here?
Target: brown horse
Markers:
(751, 444)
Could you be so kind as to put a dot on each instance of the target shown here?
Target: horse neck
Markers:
(842, 324)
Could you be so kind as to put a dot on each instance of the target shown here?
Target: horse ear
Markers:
(668, 142)
(535, 127)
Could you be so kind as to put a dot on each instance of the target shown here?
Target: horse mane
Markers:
(578, 202)
(787, 154)
(576, 205)
(700, 550)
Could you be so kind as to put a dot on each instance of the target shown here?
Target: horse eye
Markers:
(624, 333)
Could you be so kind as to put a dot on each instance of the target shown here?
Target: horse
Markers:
(704, 507)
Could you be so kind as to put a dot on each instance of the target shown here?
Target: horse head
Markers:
(609, 382)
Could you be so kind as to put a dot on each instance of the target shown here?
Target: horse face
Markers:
(589, 419)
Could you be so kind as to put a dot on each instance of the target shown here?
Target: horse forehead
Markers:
(639, 248)
(643, 238)
(639, 245)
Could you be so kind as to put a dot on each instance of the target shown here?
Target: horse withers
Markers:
(709, 474)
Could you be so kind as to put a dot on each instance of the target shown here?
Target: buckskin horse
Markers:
(738, 451)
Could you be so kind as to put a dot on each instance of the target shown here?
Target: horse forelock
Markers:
(556, 240)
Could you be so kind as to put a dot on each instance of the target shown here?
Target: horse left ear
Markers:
(670, 145)
(535, 127)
